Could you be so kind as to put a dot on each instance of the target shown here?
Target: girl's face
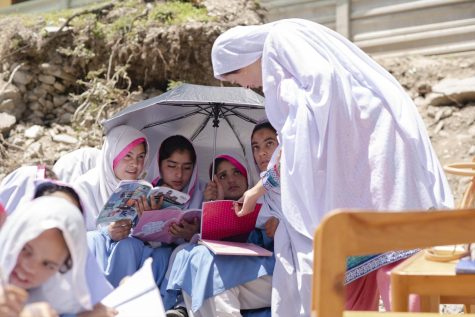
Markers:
(176, 170)
(39, 259)
(248, 77)
(131, 166)
(264, 142)
(234, 183)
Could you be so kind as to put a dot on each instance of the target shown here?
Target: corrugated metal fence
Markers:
(390, 27)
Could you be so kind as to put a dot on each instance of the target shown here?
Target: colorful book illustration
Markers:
(154, 225)
(120, 204)
(219, 223)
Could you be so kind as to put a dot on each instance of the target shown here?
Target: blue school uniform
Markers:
(202, 274)
(118, 259)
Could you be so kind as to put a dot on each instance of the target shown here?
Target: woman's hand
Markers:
(119, 230)
(142, 205)
(40, 309)
(185, 229)
(99, 310)
(12, 300)
(247, 203)
(214, 191)
(271, 226)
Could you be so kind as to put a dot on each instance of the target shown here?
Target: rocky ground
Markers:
(57, 84)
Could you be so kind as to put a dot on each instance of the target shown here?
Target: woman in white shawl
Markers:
(124, 157)
(76, 163)
(42, 238)
(350, 136)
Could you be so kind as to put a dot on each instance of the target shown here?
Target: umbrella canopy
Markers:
(220, 118)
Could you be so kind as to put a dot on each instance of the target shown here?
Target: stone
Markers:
(22, 78)
(59, 100)
(452, 91)
(7, 121)
(65, 118)
(11, 100)
(34, 132)
(47, 79)
(59, 87)
(35, 150)
(64, 138)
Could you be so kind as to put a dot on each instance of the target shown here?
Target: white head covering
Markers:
(18, 186)
(96, 186)
(76, 163)
(351, 137)
(67, 293)
(194, 188)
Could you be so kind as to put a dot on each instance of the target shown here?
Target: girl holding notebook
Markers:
(209, 283)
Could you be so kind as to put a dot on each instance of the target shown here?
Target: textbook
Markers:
(137, 295)
(154, 225)
(225, 233)
(120, 204)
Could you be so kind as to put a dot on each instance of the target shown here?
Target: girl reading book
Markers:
(178, 170)
(209, 283)
(44, 252)
(123, 157)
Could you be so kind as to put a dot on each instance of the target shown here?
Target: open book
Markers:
(138, 295)
(224, 233)
(154, 225)
(120, 204)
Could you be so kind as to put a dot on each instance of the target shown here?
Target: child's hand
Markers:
(39, 309)
(119, 230)
(142, 205)
(271, 226)
(99, 310)
(214, 191)
(12, 300)
(185, 229)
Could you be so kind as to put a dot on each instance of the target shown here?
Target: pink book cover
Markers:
(235, 248)
(154, 225)
(219, 221)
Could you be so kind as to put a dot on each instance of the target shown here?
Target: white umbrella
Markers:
(216, 119)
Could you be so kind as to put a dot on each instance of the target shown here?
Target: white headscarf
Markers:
(76, 163)
(96, 186)
(67, 293)
(351, 137)
(18, 186)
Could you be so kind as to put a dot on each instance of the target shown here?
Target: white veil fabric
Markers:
(67, 293)
(351, 136)
(96, 186)
(18, 187)
(76, 163)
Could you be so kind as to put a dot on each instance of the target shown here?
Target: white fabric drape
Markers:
(351, 137)
(96, 186)
(76, 163)
(18, 187)
(67, 293)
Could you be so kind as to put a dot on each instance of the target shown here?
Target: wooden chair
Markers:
(351, 232)
(465, 169)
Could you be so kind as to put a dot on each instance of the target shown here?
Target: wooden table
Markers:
(435, 282)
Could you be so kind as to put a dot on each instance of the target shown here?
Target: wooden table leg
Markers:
(399, 294)
(430, 304)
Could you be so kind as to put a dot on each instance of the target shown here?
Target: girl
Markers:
(209, 283)
(178, 170)
(326, 98)
(123, 157)
(44, 252)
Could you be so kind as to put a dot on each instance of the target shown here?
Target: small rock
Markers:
(22, 78)
(471, 151)
(34, 132)
(64, 138)
(35, 150)
(65, 118)
(59, 87)
(450, 91)
(7, 121)
(424, 89)
(47, 79)
(59, 100)
(439, 127)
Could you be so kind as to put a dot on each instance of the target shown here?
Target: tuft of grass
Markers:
(178, 12)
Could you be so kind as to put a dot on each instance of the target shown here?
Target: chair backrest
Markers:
(465, 169)
(354, 232)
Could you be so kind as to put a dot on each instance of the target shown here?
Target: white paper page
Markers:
(138, 295)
